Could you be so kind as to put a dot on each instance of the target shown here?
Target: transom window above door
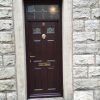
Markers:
(42, 12)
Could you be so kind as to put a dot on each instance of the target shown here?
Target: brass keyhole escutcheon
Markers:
(43, 36)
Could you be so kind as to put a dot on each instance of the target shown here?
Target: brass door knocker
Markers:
(43, 36)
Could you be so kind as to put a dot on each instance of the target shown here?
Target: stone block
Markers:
(97, 59)
(92, 25)
(0, 60)
(81, 37)
(97, 36)
(5, 37)
(78, 25)
(7, 85)
(6, 73)
(83, 95)
(6, 3)
(98, 48)
(85, 48)
(12, 96)
(97, 95)
(85, 3)
(9, 60)
(6, 25)
(82, 66)
(79, 48)
(82, 13)
(79, 72)
(5, 13)
(96, 13)
(7, 48)
(2, 96)
(94, 71)
(86, 84)
(83, 59)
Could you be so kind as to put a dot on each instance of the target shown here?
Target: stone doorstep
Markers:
(59, 98)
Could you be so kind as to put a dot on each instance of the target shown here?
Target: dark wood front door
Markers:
(44, 59)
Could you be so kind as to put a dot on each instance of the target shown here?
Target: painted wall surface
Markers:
(86, 50)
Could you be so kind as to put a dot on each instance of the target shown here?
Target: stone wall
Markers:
(7, 52)
(86, 49)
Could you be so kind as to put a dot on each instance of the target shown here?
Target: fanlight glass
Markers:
(42, 12)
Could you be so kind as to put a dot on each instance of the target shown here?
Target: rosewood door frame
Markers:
(19, 30)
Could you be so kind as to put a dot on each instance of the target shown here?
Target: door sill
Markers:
(45, 95)
(56, 98)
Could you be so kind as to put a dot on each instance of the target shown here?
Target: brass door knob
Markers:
(43, 36)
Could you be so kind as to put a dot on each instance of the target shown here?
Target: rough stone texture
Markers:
(6, 25)
(7, 48)
(94, 72)
(92, 25)
(12, 96)
(7, 73)
(2, 96)
(6, 3)
(7, 85)
(5, 37)
(9, 60)
(83, 59)
(98, 59)
(82, 13)
(78, 25)
(97, 95)
(85, 48)
(84, 3)
(83, 95)
(81, 37)
(80, 72)
(86, 84)
(0, 60)
(98, 48)
(97, 36)
(92, 48)
(86, 42)
(7, 52)
(5, 13)
(96, 13)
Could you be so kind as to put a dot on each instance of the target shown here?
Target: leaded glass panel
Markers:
(36, 30)
(51, 30)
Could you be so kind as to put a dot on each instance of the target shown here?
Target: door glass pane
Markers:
(30, 9)
(50, 30)
(41, 12)
(36, 30)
